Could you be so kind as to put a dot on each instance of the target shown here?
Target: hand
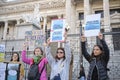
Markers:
(48, 42)
(83, 38)
(100, 36)
(24, 46)
(65, 36)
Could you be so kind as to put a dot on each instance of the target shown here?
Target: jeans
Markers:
(82, 78)
(57, 77)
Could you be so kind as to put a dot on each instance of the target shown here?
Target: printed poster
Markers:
(92, 25)
(2, 52)
(57, 30)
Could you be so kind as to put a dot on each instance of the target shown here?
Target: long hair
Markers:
(17, 55)
(100, 47)
(56, 57)
(38, 48)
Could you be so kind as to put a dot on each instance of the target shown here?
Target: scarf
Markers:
(37, 58)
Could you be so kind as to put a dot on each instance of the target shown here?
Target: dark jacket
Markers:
(98, 65)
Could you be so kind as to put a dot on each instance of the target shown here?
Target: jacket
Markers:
(60, 66)
(41, 64)
(97, 64)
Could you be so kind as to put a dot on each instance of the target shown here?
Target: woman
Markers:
(16, 59)
(61, 63)
(38, 59)
(98, 60)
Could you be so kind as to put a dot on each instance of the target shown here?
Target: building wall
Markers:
(54, 9)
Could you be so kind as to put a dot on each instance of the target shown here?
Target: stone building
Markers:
(15, 13)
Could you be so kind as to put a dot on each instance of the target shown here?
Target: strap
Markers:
(40, 72)
(42, 68)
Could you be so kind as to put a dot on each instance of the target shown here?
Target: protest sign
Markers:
(57, 30)
(2, 52)
(34, 38)
(92, 25)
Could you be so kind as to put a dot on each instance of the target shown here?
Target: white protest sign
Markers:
(2, 52)
(92, 25)
(57, 30)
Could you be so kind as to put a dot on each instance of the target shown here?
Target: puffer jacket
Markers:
(97, 64)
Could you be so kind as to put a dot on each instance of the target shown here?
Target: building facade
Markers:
(16, 13)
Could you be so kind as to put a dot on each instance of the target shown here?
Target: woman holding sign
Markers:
(37, 64)
(61, 63)
(98, 59)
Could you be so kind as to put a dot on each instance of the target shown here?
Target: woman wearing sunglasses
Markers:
(61, 63)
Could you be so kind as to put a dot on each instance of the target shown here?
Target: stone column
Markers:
(68, 12)
(16, 28)
(44, 24)
(107, 27)
(106, 16)
(71, 16)
(5, 30)
(87, 8)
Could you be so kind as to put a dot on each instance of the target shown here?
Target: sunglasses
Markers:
(60, 52)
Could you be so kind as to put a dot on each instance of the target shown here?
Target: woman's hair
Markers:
(40, 50)
(56, 57)
(17, 55)
(100, 47)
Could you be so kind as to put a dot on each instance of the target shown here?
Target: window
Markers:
(116, 39)
(81, 16)
(112, 11)
(100, 12)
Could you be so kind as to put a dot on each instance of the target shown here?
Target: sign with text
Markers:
(2, 52)
(57, 30)
(34, 38)
(92, 25)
